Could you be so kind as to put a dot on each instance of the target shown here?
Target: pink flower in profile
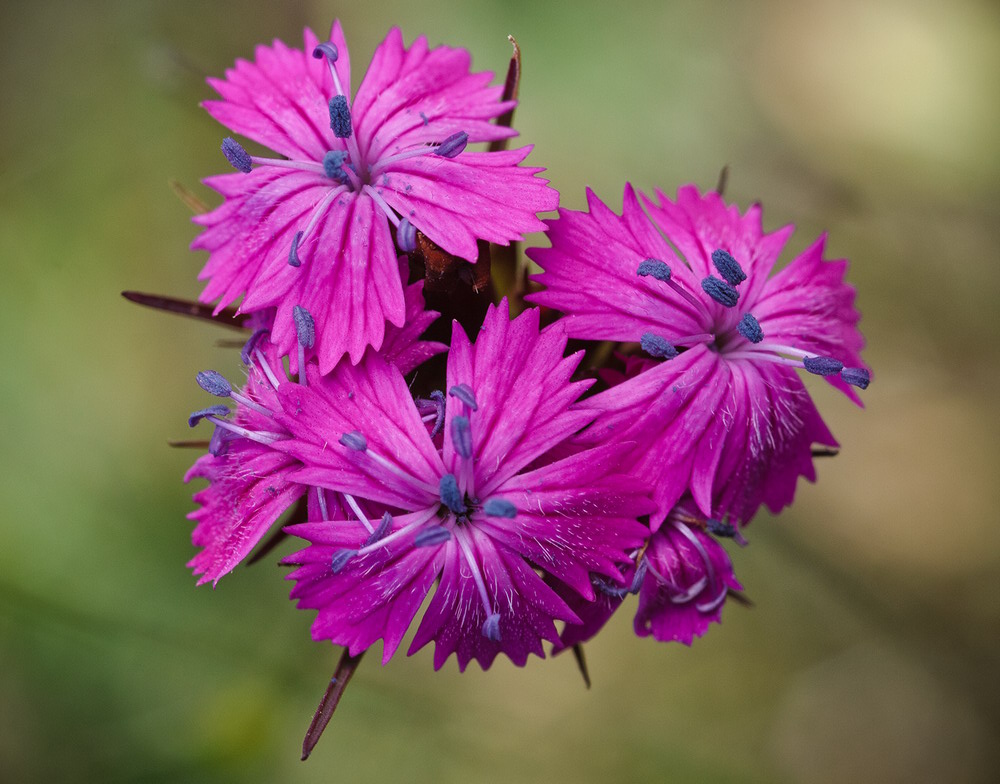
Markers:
(249, 479)
(311, 229)
(480, 515)
(721, 411)
(683, 578)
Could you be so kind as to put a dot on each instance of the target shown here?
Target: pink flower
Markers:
(311, 229)
(249, 480)
(481, 515)
(722, 412)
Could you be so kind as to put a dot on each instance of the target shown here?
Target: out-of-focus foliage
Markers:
(870, 654)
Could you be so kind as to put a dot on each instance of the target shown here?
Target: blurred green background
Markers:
(871, 654)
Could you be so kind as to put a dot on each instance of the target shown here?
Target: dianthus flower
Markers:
(683, 578)
(312, 229)
(479, 511)
(718, 409)
(249, 480)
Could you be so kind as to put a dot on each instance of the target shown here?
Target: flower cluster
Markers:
(514, 491)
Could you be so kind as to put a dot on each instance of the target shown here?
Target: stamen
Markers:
(340, 117)
(451, 496)
(720, 291)
(823, 366)
(461, 436)
(351, 502)
(327, 50)
(333, 166)
(431, 536)
(214, 383)
(856, 377)
(260, 436)
(609, 589)
(749, 328)
(379, 533)
(293, 254)
(436, 401)
(219, 442)
(236, 155)
(656, 346)
(654, 268)
(500, 507)
(390, 213)
(305, 327)
(491, 628)
(453, 145)
(248, 348)
(340, 559)
(204, 413)
(728, 267)
(406, 236)
(464, 393)
(639, 576)
(272, 379)
(321, 499)
(710, 575)
(721, 528)
(354, 440)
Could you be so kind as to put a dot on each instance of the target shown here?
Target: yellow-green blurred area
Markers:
(871, 651)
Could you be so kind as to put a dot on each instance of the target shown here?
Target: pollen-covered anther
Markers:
(654, 268)
(728, 267)
(500, 507)
(435, 534)
(333, 166)
(211, 411)
(749, 328)
(340, 117)
(464, 393)
(720, 291)
(293, 254)
(305, 327)
(856, 377)
(461, 436)
(236, 155)
(451, 496)
(214, 383)
(406, 236)
(327, 50)
(453, 145)
(341, 558)
(354, 441)
(823, 366)
(491, 627)
(379, 533)
(656, 346)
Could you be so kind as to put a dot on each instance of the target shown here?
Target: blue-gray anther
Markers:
(236, 155)
(379, 533)
(728, 267)
(656, 346)
(451, 496)
(327, 50)
(197, 416)
(856, 377)
(749, 328)
(340, 117)
(406, 236)
(218, 444)
(464, 393)
(453, 145)
(500, 507)
(214, 383)
(639, 576)
(305, 327)
(246, 354)
(429, 537)
(823, 366)
(293, 254)
(720, 528)
(654, 268)
(720, 291)
(609, 589)
(461, 436)
(340, 559)
(354, 440)
(333, 165)
(491, 628)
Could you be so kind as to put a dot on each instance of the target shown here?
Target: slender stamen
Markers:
(449, 148)
(464, 393)
(390, 213)
(491, 628)
(321, 499)
(318, 212)
(357, 442)
(260, 436)
(357, 511)
(401, 533)
(380, 532)
(248, 348)
(709, 568)
(271, 378)
(283, 163)
(461, 436)
(215, 383)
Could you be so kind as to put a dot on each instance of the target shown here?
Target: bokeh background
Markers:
(871, 653)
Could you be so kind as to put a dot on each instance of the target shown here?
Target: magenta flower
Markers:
(683, 579)
(718, 408)
(311, 229)
(481, 515)
(249, 480)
